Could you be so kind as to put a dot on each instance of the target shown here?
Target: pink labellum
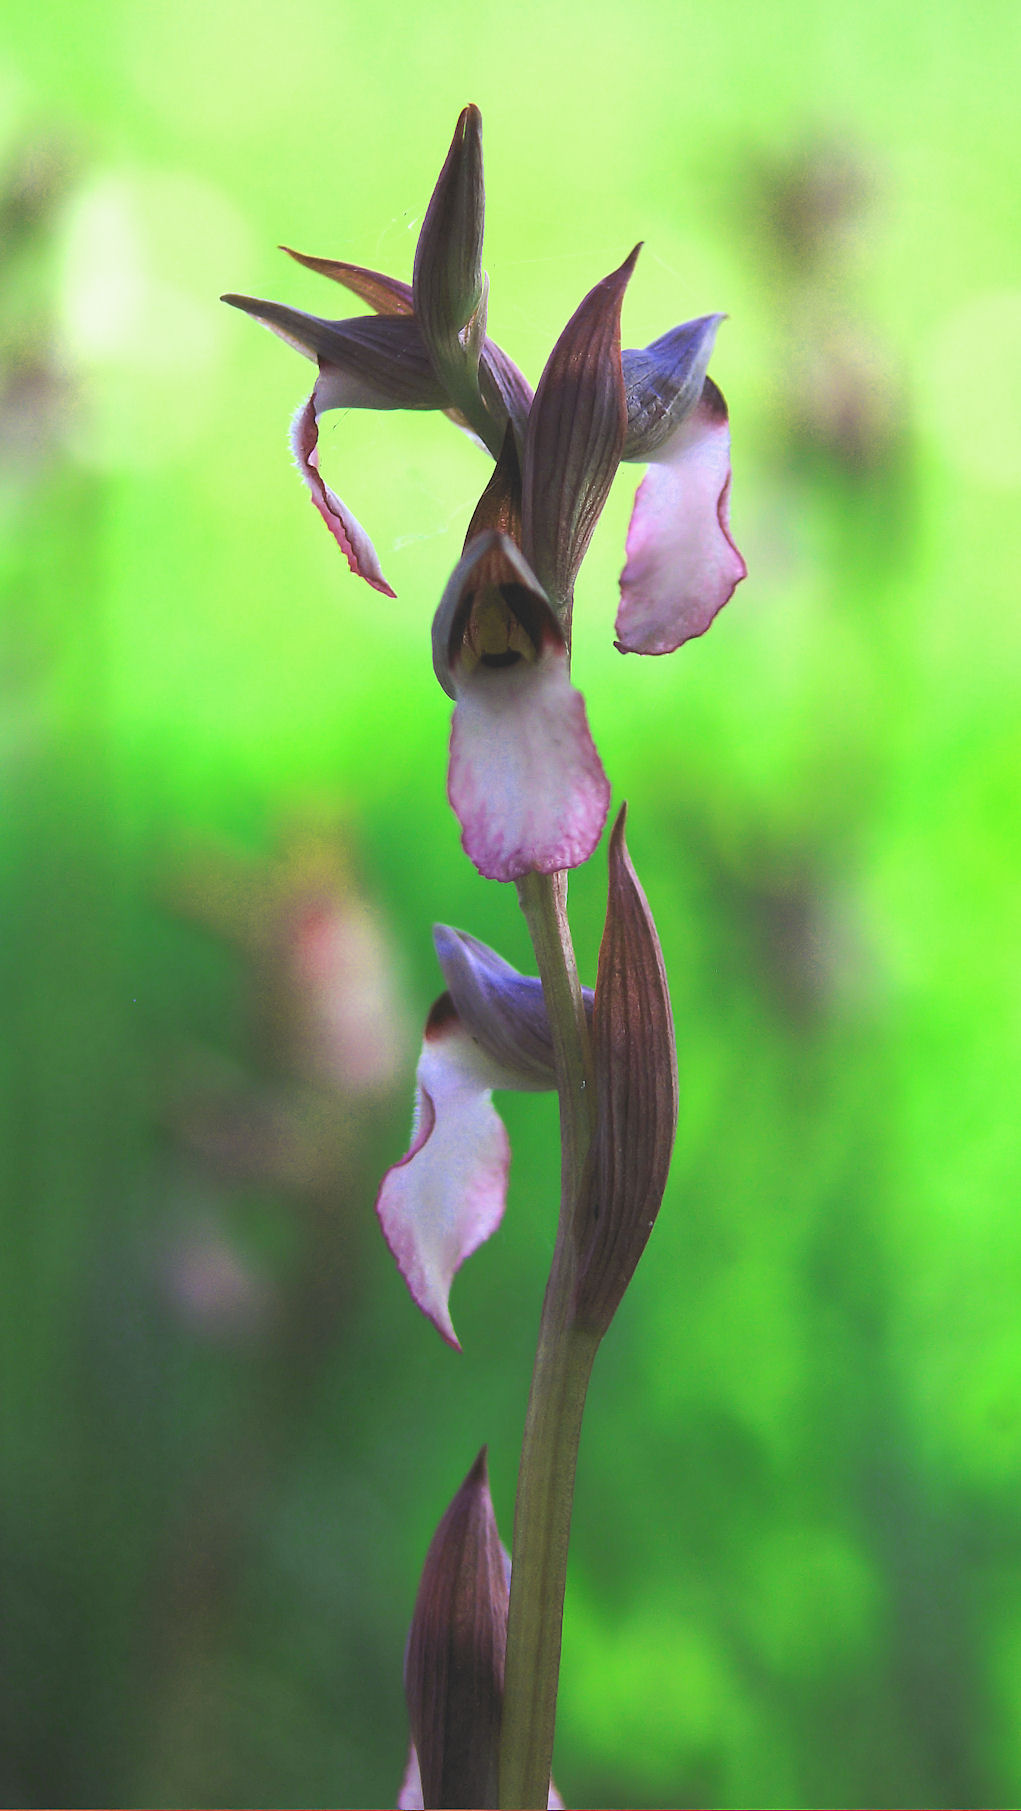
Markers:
(525, 780)
(682, 564)
(446, 1195)
(344, 526)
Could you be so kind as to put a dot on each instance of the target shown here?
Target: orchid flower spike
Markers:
(446, 1195)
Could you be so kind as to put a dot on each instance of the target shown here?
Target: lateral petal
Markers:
(682, 564)
(446, 1196)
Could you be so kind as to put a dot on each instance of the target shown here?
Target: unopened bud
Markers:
(455, 1661)
(447, 283)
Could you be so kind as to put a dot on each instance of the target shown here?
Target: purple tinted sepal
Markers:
(387, 295)
(382, 358)
(525, 780)
(504, 1010)
(663, 384)
(682, 565)
(575, 435)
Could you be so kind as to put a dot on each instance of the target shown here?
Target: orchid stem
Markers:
(563, 1364)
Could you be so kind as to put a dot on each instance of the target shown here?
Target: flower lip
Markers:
(682, 562)
(446, 1195)
(344, 526)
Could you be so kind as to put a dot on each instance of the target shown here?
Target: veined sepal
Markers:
(636, 1097)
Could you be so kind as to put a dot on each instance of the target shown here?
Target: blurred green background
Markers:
(226, 1435)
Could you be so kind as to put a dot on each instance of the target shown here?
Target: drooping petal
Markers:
(446, 1195)
(575, 435)
(525, 780)
(344, 526)
(682, 564)
(636, 1093)
(504, 1010)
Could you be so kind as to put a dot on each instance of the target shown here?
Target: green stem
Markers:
(563, 1364)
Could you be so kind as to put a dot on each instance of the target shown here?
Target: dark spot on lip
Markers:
(508, 658)
(526, 610)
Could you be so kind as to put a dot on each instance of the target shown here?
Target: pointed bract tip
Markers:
(479, 1473)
